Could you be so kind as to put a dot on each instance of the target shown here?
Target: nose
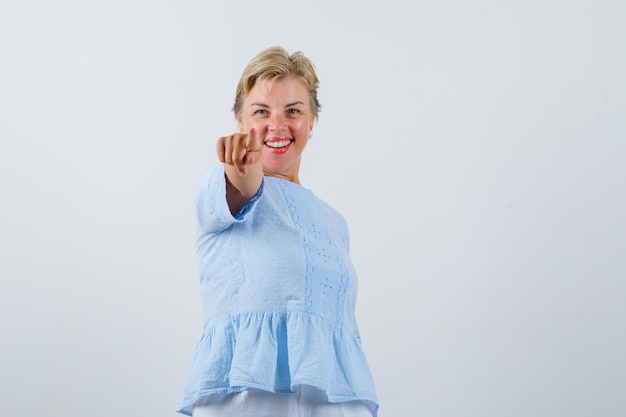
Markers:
(276, 122)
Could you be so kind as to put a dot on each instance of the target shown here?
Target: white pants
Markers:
(307, 402)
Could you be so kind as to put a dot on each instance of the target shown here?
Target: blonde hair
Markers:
(274, 64)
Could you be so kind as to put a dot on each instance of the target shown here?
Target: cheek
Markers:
(301, 126)
(246, 124)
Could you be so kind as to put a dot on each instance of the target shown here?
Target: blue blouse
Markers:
(279, 293)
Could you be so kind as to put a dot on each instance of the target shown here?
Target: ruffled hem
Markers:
(276, 352)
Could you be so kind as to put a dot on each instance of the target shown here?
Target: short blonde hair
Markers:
(273, 64)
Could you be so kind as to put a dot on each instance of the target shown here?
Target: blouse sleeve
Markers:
(213, 213)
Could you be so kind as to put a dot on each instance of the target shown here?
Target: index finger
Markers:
(256, 138)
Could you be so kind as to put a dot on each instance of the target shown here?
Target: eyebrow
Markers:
(286, 105)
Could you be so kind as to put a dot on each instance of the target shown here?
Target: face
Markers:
(281, 113)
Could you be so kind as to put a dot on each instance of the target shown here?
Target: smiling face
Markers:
(283, 111)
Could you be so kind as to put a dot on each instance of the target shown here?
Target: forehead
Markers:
(288, 88)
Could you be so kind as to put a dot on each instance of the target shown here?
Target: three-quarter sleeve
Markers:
(213, 213)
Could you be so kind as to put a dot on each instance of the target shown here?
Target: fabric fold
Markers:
(262, 350)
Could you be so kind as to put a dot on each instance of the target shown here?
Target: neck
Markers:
(291, 178)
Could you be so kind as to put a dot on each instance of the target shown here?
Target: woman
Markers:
(280, 336)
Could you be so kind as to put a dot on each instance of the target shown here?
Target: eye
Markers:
(261, 112)
(293, 111)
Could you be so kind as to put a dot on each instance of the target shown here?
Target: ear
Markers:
(311, 124)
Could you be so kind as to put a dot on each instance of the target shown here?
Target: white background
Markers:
(476, 149)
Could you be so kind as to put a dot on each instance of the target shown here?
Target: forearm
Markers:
(240, 189)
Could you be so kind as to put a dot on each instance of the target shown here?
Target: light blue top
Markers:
(279, 295)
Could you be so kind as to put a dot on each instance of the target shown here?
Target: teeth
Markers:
(278, 144)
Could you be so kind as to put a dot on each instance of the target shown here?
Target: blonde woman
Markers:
(279, 291)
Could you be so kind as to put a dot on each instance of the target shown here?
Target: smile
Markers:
(276, 144)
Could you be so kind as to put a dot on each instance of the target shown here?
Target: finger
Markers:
(256, 138)
(228, 150)
(250, 159)
(221, 150)
(239, 153)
